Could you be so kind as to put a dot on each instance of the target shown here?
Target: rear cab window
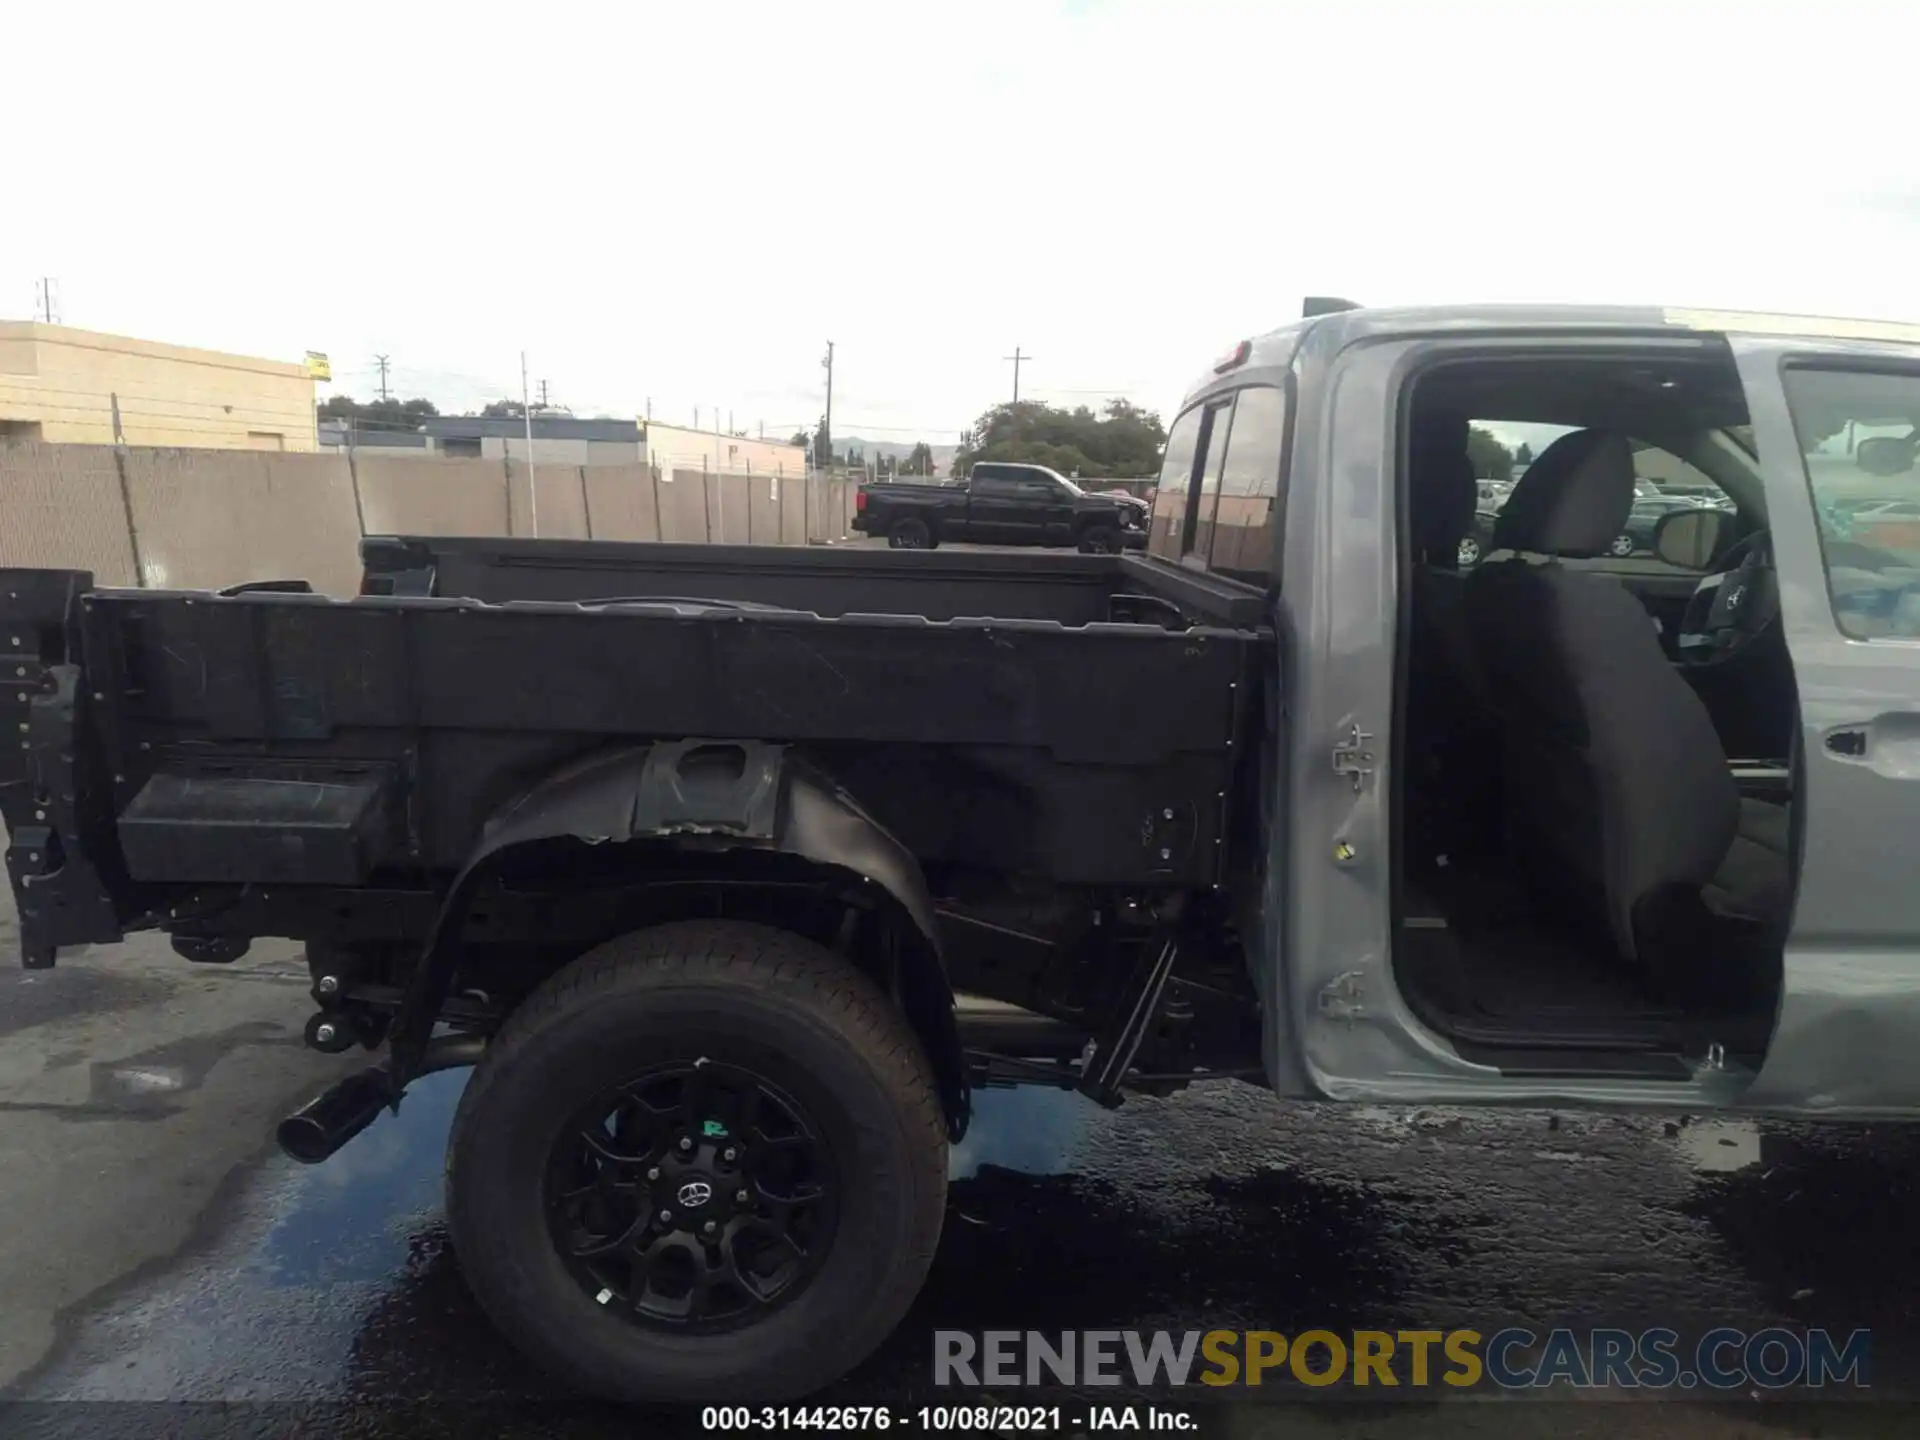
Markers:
(1170, 491)
(1243, 525)
(1218, 494)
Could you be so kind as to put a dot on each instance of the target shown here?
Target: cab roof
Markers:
(1338, 328)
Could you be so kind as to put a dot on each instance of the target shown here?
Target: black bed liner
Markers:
(824, 580)
(270, 736)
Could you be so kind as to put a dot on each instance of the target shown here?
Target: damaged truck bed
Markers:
(420, 785)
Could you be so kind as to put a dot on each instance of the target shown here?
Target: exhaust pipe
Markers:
(325, 1123)
(1012, 1030)
(320, 1127)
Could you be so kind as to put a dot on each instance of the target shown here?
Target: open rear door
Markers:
(1848, 1033)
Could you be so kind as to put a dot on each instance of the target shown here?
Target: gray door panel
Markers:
(1848, 1035)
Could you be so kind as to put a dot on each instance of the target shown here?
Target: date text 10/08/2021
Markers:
(938, 1419)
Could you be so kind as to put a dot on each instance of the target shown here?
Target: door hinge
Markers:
(1353, 756)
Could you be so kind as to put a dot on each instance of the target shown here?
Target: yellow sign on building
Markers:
(318, 367)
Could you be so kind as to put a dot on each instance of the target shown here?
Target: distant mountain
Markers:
(895, 450)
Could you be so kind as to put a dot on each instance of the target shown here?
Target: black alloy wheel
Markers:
(704, 1162)
(694, 1197)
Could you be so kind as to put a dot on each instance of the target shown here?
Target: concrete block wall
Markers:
(622, 502)
(207, 519)
(61, 506)
(429, 495)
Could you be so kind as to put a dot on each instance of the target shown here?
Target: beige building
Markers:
(672, 447)
(63, 386)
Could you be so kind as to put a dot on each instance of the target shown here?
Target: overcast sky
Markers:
(687, 201)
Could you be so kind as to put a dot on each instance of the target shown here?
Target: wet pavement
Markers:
(333, 1287)
(157, 1249)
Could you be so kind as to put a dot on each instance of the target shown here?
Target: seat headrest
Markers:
(1573, 499)
(1441, 493)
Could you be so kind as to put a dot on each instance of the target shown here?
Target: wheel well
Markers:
(635, 885)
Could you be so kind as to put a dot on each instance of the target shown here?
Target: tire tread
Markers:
(734, 954)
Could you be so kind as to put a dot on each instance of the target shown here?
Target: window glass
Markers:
(1503, 452)
(1170, 495)
(1252, 462)
(1859, 435)
(1214, 438)
(1243, 530)
(994, 486)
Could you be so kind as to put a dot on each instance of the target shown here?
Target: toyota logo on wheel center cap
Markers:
(695, 1193)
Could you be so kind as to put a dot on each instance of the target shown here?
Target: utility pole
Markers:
(533, 479)
(826, 422)
(44, 309)
(381, 361)
(1016, 357)
(543, 394)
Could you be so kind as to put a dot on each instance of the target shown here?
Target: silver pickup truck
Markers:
(733, 873)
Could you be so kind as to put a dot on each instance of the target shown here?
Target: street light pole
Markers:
(533, 479)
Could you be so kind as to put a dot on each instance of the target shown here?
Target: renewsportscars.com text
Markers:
(1509, 1359)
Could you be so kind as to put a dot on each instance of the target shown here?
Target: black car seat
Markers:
(1620, 807)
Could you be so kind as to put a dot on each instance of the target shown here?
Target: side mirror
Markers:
(1885, 455)
(1693, 539)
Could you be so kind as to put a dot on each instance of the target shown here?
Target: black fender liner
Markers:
(720, 794)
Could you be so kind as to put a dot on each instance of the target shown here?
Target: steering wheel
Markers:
(1733, 607)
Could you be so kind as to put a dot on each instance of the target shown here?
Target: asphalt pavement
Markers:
(157, 1249)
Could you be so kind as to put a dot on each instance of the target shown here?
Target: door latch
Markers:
(1850, 743)
(1353, 756)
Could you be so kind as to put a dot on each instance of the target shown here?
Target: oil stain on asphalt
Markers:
(332, 1291)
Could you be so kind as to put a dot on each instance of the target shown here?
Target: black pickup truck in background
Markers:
(1002, 504)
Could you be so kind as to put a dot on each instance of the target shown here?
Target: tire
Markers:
(1621, 546)
(714, 999)
(1100, 540)
(910, 534)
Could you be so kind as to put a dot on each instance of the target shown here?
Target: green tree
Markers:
(388, 414)
(1491, 459)
(1524, 455)
(1122, 442)
(919, 459)
(822, 445)
(800, 439)
(503, 410)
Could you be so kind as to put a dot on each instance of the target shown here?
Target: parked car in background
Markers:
(1647, 513)
(1888, 525)
(1477, 543)
(1002, 504)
